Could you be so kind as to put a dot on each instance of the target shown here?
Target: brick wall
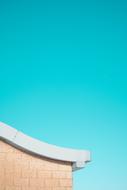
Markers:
(22, 171)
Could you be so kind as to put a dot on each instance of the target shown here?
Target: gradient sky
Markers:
(63, 80)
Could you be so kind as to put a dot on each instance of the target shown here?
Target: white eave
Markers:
(77, 157)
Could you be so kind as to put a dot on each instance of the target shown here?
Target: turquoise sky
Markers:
(63, 79)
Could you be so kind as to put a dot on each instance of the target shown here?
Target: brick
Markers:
(12, 188)
(21, 181)
(23, 171)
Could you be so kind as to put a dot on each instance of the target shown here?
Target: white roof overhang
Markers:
(77, 157)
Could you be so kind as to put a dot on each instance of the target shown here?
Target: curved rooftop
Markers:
(16, 138)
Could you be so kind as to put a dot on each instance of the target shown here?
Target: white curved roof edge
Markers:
(78, 157)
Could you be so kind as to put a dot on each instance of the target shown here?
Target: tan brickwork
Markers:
(22, 171)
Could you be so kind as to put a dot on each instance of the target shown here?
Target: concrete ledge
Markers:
(31, 145)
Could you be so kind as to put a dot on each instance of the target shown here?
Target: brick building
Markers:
(29, 164)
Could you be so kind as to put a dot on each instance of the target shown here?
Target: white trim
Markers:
(22, 141)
